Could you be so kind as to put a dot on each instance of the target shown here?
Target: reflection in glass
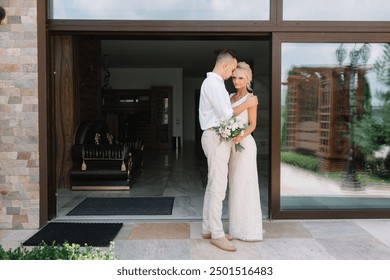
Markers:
(160, 9)
(336, 10)
(335, 145)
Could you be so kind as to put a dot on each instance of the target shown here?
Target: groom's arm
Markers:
(249, 102)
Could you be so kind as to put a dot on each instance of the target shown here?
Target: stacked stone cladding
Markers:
(19, 158)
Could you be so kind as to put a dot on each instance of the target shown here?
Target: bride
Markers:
(245, 218)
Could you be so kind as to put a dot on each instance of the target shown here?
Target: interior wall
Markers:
(133, 78)
(262, 88)
(87, 90)
(190, 87)
(184, 91)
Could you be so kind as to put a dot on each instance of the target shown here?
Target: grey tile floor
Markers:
(283, 240)
(178, 236)
(179, 173)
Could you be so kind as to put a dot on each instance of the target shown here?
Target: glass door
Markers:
(334, 156)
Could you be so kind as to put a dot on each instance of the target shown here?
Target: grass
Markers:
(303, 161)
(313, 164)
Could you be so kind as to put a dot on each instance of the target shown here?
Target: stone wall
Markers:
(19, 168)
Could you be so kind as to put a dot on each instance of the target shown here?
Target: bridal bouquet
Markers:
(228, 129)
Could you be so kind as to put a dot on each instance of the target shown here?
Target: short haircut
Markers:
(226, 54)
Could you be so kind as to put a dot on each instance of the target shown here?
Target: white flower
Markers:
(228, 129)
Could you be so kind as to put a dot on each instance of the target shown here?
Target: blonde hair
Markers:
(244, 68)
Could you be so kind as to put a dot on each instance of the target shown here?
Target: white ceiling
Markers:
(195, 57)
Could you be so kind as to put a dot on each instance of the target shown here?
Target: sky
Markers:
(344, 10)
(326, 10)
(324, 54)
(161, 9)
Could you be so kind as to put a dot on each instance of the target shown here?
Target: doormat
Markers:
(100, 206)
(91, 234)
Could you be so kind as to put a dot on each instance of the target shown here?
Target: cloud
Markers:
(162, 9)
(336, 10)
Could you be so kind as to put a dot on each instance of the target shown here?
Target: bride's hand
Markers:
(237, 139)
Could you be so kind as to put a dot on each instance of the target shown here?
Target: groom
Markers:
(214, 104)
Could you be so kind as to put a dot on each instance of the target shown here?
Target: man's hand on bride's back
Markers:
(252, 100)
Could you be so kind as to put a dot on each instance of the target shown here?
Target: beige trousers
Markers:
(217, 153)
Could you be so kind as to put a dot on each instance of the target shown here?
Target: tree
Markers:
(373, 131)
(382, 70)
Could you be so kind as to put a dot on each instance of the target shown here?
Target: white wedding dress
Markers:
(245, 217)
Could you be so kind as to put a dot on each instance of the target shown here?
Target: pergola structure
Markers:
(318, 113)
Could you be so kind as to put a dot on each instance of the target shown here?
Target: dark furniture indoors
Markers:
(101, 162)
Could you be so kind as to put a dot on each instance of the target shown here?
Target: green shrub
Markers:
(65, 251)
(303, 161)
(378, 166)
(376, 170)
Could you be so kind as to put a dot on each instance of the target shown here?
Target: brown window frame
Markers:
(277, 40)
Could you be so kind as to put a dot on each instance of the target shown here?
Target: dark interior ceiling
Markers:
(195, 57)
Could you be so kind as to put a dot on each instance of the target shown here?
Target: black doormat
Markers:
(97, 206)
(92, 234)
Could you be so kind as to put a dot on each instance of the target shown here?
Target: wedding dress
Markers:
(245, 217)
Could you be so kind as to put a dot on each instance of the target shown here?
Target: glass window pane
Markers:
(335, 141)
(336, 10)
(160, 9)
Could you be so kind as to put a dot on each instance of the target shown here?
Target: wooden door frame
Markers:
(47, 199)
(279, 29)
(48, 150)
(47, 184)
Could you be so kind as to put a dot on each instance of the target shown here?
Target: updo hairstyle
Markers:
(245, 69)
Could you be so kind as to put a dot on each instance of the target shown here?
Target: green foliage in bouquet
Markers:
(228, 129)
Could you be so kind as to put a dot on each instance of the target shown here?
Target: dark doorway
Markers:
(143, 64)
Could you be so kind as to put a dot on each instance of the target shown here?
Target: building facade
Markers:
(41, 58)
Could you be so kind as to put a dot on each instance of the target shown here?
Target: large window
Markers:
(160, 9)
(335, 132)
(336, 10)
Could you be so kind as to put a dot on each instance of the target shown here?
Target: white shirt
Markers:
(214, 102)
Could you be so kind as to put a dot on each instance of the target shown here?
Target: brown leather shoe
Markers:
(223, 244)
(208, 236)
